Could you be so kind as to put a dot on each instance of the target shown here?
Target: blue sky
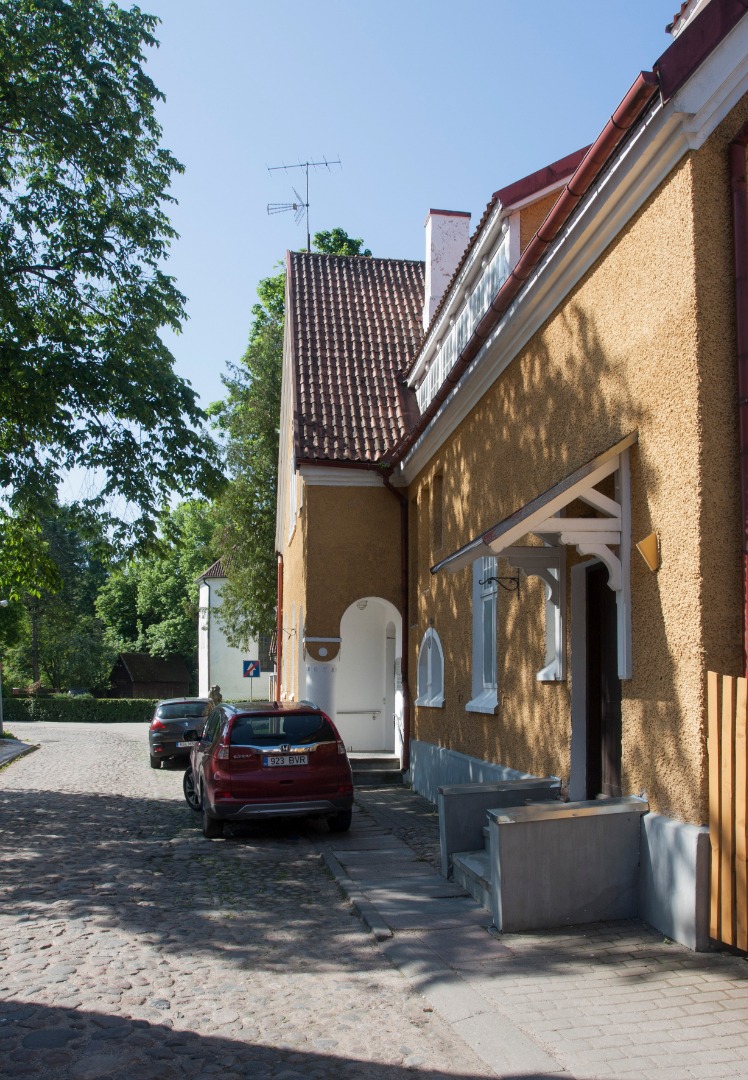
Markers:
(427, 104)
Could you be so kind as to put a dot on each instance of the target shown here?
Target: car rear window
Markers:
(188, 710)
(260, 730)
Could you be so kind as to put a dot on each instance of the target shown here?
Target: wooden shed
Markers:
(139, 675)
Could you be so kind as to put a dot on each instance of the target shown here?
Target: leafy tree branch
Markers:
(85, 377)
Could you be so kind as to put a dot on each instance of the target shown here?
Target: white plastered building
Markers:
(220, 663)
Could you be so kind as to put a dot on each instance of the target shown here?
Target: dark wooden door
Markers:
(603, 688)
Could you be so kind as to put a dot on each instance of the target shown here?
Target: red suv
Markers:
(269, 761)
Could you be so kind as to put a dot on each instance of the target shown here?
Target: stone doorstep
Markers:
(472, 870)
(363, 757)
(374, 778)
(375, 770)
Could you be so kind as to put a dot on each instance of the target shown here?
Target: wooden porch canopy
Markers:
(595, 536)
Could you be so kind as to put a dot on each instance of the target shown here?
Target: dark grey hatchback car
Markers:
(171, 719)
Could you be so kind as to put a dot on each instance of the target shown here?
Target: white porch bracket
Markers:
(549, 564)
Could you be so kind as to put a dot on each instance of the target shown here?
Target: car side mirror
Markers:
(190, 736)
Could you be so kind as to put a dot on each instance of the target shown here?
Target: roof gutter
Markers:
(623, 119)
(279, 630)
(404, 636)
(739, 189)
(332, 463)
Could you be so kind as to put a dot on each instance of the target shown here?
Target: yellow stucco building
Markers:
(510, 524)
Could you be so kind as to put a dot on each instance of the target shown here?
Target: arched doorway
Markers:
(366, 686)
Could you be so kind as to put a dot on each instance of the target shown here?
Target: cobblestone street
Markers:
(130, 946)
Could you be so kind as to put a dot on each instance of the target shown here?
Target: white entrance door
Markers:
(365, 690)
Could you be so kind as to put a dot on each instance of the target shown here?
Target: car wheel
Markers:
(155, 762)
(341, 822)
(212, 827)
(190, 791)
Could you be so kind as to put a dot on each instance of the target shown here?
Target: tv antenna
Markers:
(300, 206)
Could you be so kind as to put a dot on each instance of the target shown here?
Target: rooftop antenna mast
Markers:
(301, 206)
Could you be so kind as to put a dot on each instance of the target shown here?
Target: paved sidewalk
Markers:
(606, 1001)
(10, 749)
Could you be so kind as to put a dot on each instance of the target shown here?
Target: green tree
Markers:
(60, 639)
(249, 420)
(25, 565)
(338, 242)
(150, 603)
(85, 378)
(117, 607)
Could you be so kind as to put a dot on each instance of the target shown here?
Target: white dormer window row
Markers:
(461, 327)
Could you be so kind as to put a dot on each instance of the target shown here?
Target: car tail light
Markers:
(156, 725)
(345, 789)
(341, 746)
(223, 753)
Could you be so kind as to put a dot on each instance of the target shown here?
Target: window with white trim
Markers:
(485, 696)
(431, 671)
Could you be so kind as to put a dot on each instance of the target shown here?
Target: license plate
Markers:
(182, 745)
(285, 759)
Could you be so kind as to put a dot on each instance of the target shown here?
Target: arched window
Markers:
(431, 671)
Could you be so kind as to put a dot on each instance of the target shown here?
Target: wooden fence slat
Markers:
(714, 801)
(741, 807)
(727, 821)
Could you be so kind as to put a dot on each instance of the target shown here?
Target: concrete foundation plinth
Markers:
(556, 864)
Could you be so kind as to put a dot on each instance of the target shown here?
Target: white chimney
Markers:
(447, 234)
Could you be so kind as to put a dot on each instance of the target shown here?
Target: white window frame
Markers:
(431, 671)
(485, 687)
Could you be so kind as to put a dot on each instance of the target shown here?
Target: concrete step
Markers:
(375, 760)
(472, 870)
(376, 777)
(374, 770)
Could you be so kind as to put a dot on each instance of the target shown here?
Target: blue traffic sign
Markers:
(251, 669)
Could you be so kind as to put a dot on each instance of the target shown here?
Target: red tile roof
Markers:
(215, 570)
(556, 173)
(678, 16)
(355, 324)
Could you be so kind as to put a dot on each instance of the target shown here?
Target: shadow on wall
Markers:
(547, 414)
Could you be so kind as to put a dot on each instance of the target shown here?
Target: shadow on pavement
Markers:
(262, 898)
(39, 1041)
